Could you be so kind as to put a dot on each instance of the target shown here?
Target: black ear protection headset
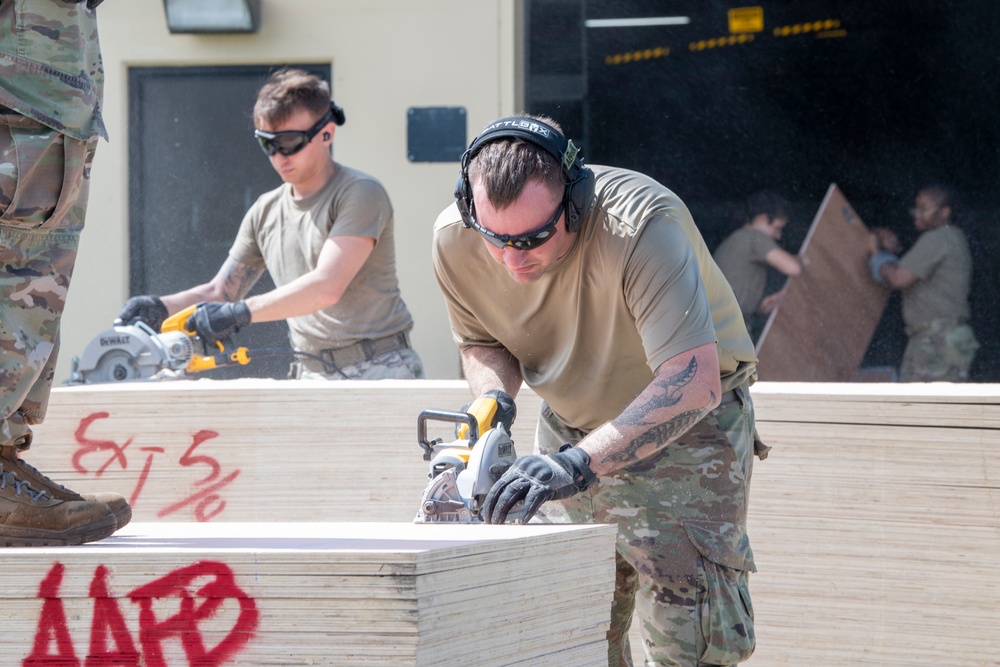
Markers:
(337, 116)
(337, 113)
(579, 179)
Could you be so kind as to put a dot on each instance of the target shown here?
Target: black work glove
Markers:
(218, 321)
(505, 414)
(536, 479)
(506, 410)
(148, 309)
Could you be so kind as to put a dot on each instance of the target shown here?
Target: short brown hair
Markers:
(289, 90)
(506, 165)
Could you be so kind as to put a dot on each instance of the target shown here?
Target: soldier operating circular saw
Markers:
(325, 236)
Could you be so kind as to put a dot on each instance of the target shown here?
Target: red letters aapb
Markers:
(193, 594)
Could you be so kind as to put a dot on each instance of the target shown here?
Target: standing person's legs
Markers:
(44, 178)
(681, 519)
(550, 435)
(941, 351)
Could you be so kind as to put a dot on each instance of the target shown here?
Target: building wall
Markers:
(385, 57)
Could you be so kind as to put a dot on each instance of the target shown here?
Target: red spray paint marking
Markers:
(52, 626)
(88, 446)
(108, 625)
(144, 475)
(206, 501)
(205, 496)
(184, 623)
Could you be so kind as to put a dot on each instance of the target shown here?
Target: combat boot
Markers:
(11, 460)
(30, 517)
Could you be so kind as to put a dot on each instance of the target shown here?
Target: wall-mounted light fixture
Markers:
(212, 16)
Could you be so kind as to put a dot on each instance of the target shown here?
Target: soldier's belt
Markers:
(365, 350)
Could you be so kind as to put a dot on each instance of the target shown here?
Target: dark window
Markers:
(879, 97)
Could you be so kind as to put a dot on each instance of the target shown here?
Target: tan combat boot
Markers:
(10, 457)
(116, 503)
(30, 517)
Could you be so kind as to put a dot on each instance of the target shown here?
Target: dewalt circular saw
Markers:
(126, 353)
(462, 472)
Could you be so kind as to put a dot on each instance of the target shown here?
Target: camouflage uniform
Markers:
(680, 512)
(941, 350)
(941, 345)
(51, 79)
(396, 365)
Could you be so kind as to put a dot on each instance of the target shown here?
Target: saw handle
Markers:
(204, 362)
(449, 416)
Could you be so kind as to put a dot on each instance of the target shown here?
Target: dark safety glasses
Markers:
(289, 142)
(526, 241)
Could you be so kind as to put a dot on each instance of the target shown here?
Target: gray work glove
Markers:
(147, 308)
(878, 260)
(216, 322)
(536, 479)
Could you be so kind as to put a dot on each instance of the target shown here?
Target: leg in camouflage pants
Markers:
(940, 351)
(44, 180)
(683, 554)
(396, 365)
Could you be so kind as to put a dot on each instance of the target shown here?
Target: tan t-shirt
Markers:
(742, 259)
(637, 288)
(942, 261)
(285, 235)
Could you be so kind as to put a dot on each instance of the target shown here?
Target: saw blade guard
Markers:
(130, 353)
(495, 446)
(442, 503)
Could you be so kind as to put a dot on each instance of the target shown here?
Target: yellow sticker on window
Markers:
(746, 19)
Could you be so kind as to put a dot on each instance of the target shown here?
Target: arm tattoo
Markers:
(675, 382)
(239, 278)
(659, 434)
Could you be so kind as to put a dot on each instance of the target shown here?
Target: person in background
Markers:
(51, 83)
(746, 255)
(326, 236)
(593, 286)
(934, 278)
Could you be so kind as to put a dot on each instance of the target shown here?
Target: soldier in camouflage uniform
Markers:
(326, 236)
(594, 287)
(935, 277)
(50, 91)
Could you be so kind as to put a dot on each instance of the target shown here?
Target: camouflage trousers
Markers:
(44, 183)
(940, 351)
(402, 364)
(683, 555)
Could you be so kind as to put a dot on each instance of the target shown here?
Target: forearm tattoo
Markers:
(653, 432)
(239, 278)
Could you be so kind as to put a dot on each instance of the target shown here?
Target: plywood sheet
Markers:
(344, 594)
(253, 449)
(825, 322)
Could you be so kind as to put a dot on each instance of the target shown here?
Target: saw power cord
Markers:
(328, 366)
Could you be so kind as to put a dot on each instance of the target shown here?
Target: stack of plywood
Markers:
(314, 594)
(252, 450)
(875, 523)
